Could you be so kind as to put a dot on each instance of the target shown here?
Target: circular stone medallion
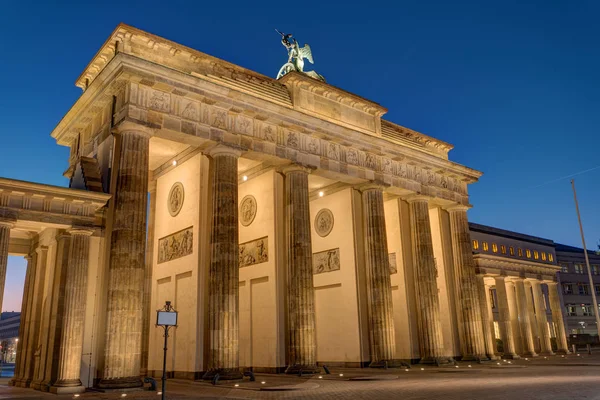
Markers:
(324, 222)
(175, 200)
(247, 210)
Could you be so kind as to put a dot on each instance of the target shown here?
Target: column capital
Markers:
(132, 127)
(82, 231)
(457, 207)
(417, 198)
(370, 186)
(7, 223)
(40, 249)
(222, 149)
(295, 168)
(552, 284)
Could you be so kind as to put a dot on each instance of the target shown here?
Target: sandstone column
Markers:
(467, 296)
(126, 267)
(487, 317)
(379, 288)
(524, 322)
(513, 311)
(301, 300)
(557, 318)
(223, 280)
(148, 282)
(73, 322)
(540, 316)
(532, 320)
(20, 360)
(5, 227)
(430, 331)
(504, 318)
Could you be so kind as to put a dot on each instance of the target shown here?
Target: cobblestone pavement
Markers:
(550, 378)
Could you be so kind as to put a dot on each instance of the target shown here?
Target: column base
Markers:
(13, 382)
(560, 352)
(437, 360)
(511, 356)
(225, 374)
(530, 354)
(25, 383)
(302, 369)
(36, 385)
(493, 357)
(471, 357)
(120, 383)
(546, 353)
(67, 389)
(385, 364)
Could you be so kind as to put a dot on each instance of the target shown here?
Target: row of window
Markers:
(586, 310)
(582, 289)
(579, 268)
(511, 250)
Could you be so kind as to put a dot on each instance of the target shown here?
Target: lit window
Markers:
(595, 269)
(503, 249)
(511, 251)
(494, 247)
(584, 289)
(597, 288)
(543, 256)
(587, 310)
(536, 254)
(492, 298)
(571, 310)
(485, 246)
(528, 252)
(579, 268)
(475, 244)
(496, 330)
(564, 268)
(567, 288)
(520, 252)
(550, 257)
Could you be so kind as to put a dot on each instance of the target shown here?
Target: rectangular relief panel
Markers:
(254, 252)
(326, 261)
(176, 245)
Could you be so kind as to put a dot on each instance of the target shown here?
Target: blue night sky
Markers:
(514, 86)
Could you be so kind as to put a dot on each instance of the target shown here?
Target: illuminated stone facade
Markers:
(251, 180)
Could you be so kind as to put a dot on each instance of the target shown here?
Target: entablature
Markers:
(501, 266)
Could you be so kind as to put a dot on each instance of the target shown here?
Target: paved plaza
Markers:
(555, 377)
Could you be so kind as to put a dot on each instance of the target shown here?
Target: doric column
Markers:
(557, 318)
(540, 316)
(148, 281)
(5, 227)
(430, 330)
(223, 280)
(73, 323)
(126, 267)
(487, 318)
(524, 322)
(504, 318)
(532, 321)
(379, 288)
(468, 299)
(301, 299)
(23, 327)
(513, 311)
(35, 309)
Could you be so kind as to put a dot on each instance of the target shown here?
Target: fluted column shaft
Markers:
(504, 318)
(301, 307)
(126, 268)
(148, 283)
(430, 331)
(487, 318)
(557, 318)
(223, 281)
(5, 228)
(540, 316)
(524, 322)
(379, 288)
(20, 360)
(468, 299)
(73, 323)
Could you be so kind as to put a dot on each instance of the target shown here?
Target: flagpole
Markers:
(587, 262)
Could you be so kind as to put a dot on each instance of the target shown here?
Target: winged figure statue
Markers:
(296, 56)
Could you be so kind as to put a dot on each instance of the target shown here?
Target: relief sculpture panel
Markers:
(326, 261)
(254, 252)
(176, 245)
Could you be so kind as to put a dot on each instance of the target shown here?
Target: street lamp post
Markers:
(166, 317)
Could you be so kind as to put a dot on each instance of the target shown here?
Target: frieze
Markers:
(326, 261)
(254, 252)
(392, 263)
(176, 245)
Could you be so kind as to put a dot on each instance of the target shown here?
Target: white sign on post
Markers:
(166, 318)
